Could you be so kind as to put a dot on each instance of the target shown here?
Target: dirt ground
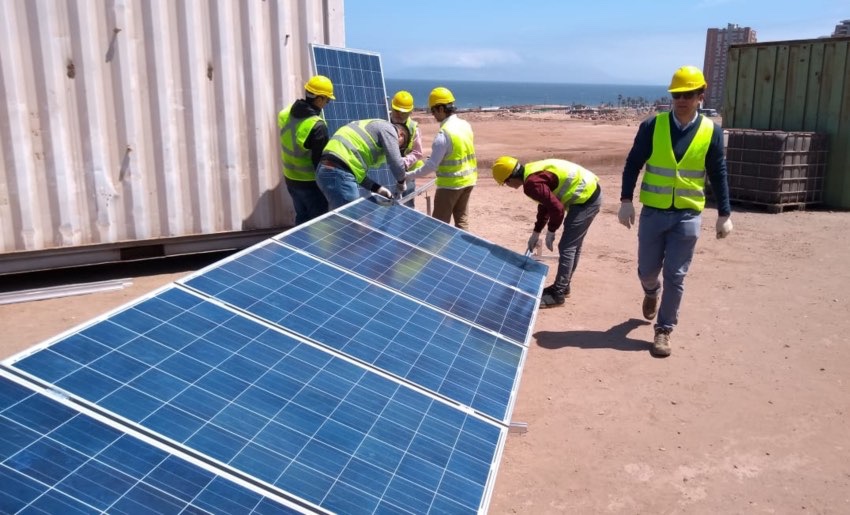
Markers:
(751, 412)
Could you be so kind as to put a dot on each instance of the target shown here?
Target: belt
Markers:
(333, 163)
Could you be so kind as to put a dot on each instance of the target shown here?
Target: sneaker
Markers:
(661, 344)
(650, 307)
(550, 290)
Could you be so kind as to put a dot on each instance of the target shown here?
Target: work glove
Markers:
(724, 226)
(550, 239)
(384, 192)
(400, 187)
(533, 241)
(626, 214)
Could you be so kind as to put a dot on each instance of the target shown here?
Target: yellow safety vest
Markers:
(356, 148)
(297, 160)
(575, 183)
(459, 168)
(411, 129)
(680, 184)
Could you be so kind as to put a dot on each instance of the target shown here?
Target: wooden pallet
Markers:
(776, 208)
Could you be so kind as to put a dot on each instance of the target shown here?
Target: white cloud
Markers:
(455, 58)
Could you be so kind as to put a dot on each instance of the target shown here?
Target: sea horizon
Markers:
(471, 94)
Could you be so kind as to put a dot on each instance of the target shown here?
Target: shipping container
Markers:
(142, 128)
(801, 86)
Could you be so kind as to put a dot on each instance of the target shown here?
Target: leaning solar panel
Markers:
(446, 241)
(358, 81)
(54, 459)
(438, 282)
(370, 323)
(257, 402)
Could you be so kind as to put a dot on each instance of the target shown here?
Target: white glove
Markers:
(626, 214)
(400, 187)
(724, 226)
(384, 192)
(550, 239)
(533, 241)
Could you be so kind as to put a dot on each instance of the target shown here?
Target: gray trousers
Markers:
(576, 223)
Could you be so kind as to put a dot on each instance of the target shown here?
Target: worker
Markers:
(402, 106)
(452, 158)
(303, 136)
(565, 192)
(678, 148)
(355, 149)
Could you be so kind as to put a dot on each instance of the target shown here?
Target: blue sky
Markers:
(596, 41)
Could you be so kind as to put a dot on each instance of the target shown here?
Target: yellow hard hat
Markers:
(503, 168)
(440, 95)
(320, 85)
(687, 78)
(403, 102)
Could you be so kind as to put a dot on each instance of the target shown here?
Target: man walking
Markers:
(565, 192)
(678, 149)
(452, 158)
(355, 149)
(303, 136)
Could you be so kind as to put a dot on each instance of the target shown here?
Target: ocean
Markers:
(479, 94)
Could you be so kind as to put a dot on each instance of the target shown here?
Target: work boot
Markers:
(552, 298)
(661, 344)
(650, 307)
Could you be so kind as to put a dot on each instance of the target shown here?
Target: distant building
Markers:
(717, 42)
(842, 29)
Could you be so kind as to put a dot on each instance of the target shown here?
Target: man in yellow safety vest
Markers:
(678, 148)
(401, 107)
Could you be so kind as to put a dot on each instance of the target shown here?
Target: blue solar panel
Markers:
(261, 403)
(359, 89)
(445, 241)
(374, 325)
(440, 283)
(54, 459)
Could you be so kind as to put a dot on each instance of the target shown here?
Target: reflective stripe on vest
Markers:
(297, 160)
(356, 148)
(667, 183)
(459, 168)
(575, 183)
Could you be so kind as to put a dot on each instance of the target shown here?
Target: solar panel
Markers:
(339, 367)
(358, 80)
(438, 282)
(261, 403)
(374, 325)
(54, 459)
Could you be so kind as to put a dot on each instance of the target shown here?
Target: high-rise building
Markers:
(717, 43)
(842, 29)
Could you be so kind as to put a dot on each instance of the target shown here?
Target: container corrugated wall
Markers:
(796, 86)
(128, 122)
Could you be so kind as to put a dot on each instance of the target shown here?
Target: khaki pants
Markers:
(448, 203)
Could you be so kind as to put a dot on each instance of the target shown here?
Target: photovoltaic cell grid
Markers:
(359, 89)
(376, 326)
(419, 274)
(445, 241)
(54, 459)
(275, 408)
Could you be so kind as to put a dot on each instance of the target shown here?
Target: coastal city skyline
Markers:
(606, 42)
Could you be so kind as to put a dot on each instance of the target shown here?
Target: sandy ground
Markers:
(750, 414)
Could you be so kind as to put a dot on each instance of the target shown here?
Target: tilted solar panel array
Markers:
(315, 385)
(358, 80)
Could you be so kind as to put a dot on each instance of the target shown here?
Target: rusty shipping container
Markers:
(136, 128)
(796, 86)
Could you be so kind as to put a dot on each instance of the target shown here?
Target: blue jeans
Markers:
(576, 223)
(666, 242)
(308, 199)
(337, 184)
